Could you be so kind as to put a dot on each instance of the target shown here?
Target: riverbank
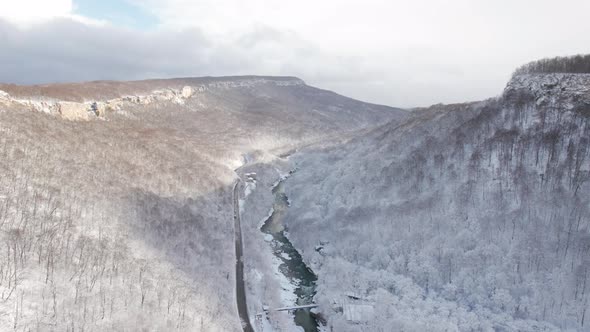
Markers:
(266, 286)
(291, 264)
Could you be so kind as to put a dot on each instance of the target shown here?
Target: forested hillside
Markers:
(467, 217)
(116, 208)
(578, 64)
(115, 197)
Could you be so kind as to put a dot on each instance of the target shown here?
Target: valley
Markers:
(203, 204)
(122, 219)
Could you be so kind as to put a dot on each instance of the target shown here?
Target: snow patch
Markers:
(249, 188)
(288, 288)
(241, 204)
(282, 177)
(263, 221)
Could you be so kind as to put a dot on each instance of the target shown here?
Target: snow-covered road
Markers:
(240, 288)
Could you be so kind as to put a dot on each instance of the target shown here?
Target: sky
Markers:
(399, 53)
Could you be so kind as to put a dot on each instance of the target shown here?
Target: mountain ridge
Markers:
(84, 91)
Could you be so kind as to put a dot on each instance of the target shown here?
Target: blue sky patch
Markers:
(118, 12)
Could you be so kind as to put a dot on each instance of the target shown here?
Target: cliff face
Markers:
(47, 98)
(474, 215)
(279, 98)
(89, 110)
(565, 91)
(106, 90)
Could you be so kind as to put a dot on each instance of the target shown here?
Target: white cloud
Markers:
(30, 11)
(397, 51)
(402, 53)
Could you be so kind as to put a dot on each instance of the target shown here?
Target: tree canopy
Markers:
(577, 64)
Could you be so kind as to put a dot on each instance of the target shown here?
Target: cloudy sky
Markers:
(401, 53)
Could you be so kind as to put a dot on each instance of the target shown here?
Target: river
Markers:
(292, 265)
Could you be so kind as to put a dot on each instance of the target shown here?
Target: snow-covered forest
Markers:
(122, 220)
(467, 217)
(569, 64)
(116, 205)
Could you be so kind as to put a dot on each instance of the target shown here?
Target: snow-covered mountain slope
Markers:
(467, 217)
(120, 218)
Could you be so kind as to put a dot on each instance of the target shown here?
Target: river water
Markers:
(292, 265)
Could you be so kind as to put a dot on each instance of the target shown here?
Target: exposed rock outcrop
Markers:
(86, 111)
(63, 100)
(74, 111)
(186, 92)
(564, 90)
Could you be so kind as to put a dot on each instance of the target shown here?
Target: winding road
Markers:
(240, 287)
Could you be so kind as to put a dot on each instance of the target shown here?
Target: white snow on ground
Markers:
(283, 177)
(266, 327)
(162, 213)
(274, 185)
(250, 186)
(241, 205)
(286, 293)
(248, 189)
(267, 286)
(288, 296)
(270, 212)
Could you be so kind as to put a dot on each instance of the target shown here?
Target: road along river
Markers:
(240, 289)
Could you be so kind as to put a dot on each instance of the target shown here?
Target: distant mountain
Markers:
(465, 217)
